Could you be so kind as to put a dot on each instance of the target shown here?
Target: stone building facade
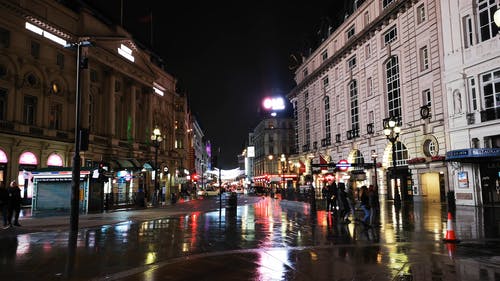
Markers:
(125, 94)
(383, 61)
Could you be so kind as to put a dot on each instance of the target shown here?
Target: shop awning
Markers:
(470, 155)
(124, 164)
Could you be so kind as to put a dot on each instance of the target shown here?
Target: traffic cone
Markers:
(450, 233)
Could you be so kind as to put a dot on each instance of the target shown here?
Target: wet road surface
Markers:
(262, 239)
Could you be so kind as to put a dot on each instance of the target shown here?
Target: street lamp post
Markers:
(75, 171)
(391, 131)
(374, 157)
(156, 139)
(283, 161)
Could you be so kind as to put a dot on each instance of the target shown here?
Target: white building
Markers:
(472, 80)
(383, 60)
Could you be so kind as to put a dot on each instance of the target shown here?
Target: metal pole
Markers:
(397, 198)
(157, 184)
(220, 186)
(75, 179)
(375, 166)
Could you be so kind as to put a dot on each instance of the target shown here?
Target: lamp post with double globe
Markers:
(391, 131)
(156, 139)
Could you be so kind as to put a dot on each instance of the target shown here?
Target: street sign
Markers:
(343, 165)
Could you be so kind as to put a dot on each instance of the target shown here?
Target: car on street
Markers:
(208, 191)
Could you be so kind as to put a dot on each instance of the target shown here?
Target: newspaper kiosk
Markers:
(52, 191)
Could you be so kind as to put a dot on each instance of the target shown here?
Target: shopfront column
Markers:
(111, 104)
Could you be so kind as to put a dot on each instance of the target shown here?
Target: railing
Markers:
(490, 114)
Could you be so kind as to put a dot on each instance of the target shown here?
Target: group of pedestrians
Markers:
(10, 204)
(341, 202)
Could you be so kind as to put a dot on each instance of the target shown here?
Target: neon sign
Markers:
(276, 103)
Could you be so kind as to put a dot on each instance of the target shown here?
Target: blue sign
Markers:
(461, 154)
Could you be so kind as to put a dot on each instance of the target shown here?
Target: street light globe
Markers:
(496, 18)
(387, 132)
(392, 123)
(156, 132)
(397, 130)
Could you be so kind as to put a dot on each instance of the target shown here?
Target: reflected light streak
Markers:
(150, 258)
(272, 264)
(23, 245)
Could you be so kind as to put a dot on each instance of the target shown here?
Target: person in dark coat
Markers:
(4, 197)
(343, 203)
(14, 203)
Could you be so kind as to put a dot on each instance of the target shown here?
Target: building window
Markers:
(94, 76)
(179, 143)
(60, 60)
(55, 116)
(4, 38)
(337, 102)
(426, 96)
(393, 86)
(390, 35)
(324, 55)
(421, 14)
(351, 63)
(307, 136)
(350, 32)
(430, 148)
(401, 154)
(491, 89)
(368, 51)
(29, 112)
(487, 27)
(424, 58)
(473, 92)
(366, 18)
(385, 3)
(35, 49)
(327, 117)
(468, 31)
(353, 93)
(305, 72)
(325, 82)
(118, 86)
(369, 86)
(371, 117)
(3, 104)
(296, 120)
(306, 98)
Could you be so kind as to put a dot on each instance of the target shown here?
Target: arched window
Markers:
(307, 136)
(328, 129)
(353, 92)
(55, 160)
(393, 87)
(28, 158)
(401, 154)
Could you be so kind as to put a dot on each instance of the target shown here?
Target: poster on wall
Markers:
(463, 180)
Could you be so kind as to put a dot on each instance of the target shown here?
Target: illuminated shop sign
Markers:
(45, 33)
(273, 103)
(126, 52)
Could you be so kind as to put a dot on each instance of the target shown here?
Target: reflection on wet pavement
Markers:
(268, 240)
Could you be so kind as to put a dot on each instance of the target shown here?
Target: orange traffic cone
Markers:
(450, 233)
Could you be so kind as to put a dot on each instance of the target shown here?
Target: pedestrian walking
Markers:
(13, 203)
(365, 204)
(374, 204)
(343, 203)
(4, 197)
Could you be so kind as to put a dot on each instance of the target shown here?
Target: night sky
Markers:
(226, 56)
